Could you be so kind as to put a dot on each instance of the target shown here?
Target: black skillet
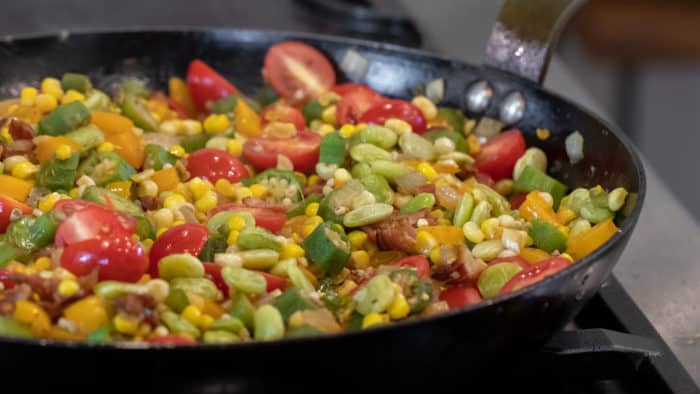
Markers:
(517, 56)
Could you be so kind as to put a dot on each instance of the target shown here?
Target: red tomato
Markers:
(343, 88)
(534, 274)
(419, 263)
(459, 296)
(270, 219)
(115, 258)
(205, 84)
(7, 205)
(498, 155)
(400, 109)
(515, 259)
(172, 339)
(273, 281)
(185, 238)
(278, 112)
(297, 71)
(213, 273)
(215, 164)
(91, 221)
(355, 101)
(517, 199)
(484, 179)
(302, 150)
(6, 279)
(177, 107)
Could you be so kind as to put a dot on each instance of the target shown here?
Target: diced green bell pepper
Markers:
(333, 149)
(533, 179)
(157, 157)
(105, 168)
(55, 174)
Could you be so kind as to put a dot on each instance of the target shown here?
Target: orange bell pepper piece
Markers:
(15, 188)
(580, 245)
(166, 179)
(46, 146)
(129, 146)
(88, 314)
(34, 316)
(180, 93)
(445, 235)
(533, 255)
(111, 123)
(534, 206)
(246, 120)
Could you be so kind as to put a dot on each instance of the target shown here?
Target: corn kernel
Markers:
(291, 250)
(435, 255)
(425, 106)
(399, 308)
(205, 321)
(73, 193)
(105, 147)
(161, 231)
(177, 223)
(360, 259)
(28, 95)
(216, 124)
(347, 287)
(125, 325)
(373, 319)
(312, 209)
(236, 222)
(360, 126)
(207, 202)
(489, 227)
(24, 170)
(5, 133)
(47, 202)
(63, 152)
(148, 188)
(308, 229)
(192, 314)
(313, 179)
(173, 201)
(72, 95)
(399, 126)
(147, 243)
(43, 263)
(425, 241)
(357, 239)
(224, 187)
(232, 237)
(325, 129)
(542, 134)
(258, 190)
(427, 170)
(472, 232)
(52, 87)
(198, 187)
(234, 147)
(348, 130)
(178, 151)
(45, 102)
(328, 114)
(68, 287)
(280, 130)
(242, 192)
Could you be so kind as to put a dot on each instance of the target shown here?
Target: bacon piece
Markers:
(398, 232)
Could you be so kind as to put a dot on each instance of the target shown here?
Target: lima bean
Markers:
(418, 202)
(178, 325)
(268, 323)
(259, 259)
(414, 145)
(202, 287)
(368, 153)
(464, 209)
(367, 214)
(219, 336)
(380, 136)
(244, 280)
(494, 277)
(389, 169)
(376, 296)
(182, 265)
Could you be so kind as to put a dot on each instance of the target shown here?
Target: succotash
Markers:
(208, 215)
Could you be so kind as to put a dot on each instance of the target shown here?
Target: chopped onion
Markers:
(574, 147)
(488, 127)
(162, 139)
(410, 182)
(435, 90)
(354, 64)
(447, 197)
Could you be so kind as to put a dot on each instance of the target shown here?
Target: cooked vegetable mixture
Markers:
(209, 215)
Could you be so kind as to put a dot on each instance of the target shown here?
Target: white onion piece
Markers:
(574, 147)
(488, 127)
(435, 90)
(354, 65)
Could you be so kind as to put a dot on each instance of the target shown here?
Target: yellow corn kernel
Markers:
(325, 129)
(147, 243)
(542, 134)
(242, 192)
(47, 202)
(72, 95)
(161, 231)
(205, 321)
(357, 239)
(24, 170)
(198, 187)
(373, 319)
(313, 179)
(125, 325)
(52, 87)
(68, 287)
(427, 170)
(45, 102)
(178, 151)
(399, 126)
(473, 143)
(234, 147)
(347, 287)
(232, 237)
(33, 315)
(163, 218)
(216, 124)
(312, 209)
(43, 263)
(565, 215)
(192, 314)
(147, 188)
(425, 242)
(63, 152)
(28, 95)
(489, 227)
(328, 115)
(173, 201)
(348, 130)
(291, 250)
(435, 255)
(399, 308)
(472, 232)
(236, 222)
(425, 106)
(5, 134)
(105, 147)
(258, 190)
(360, 126)
(177, 223)
(360, 259)
(567, 256)
(73, 193)
(224, 187)
(308, 229)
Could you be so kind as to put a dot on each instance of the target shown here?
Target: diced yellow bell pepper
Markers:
(246, 120)
(14, 187)
(123, 188)
(445, 235)
(129, 146)
(34, 316)
(111, 123)
(533, 255)
(166, 179)
(212, 308)
(179, 92)
(46, 147)
(580, 245)
(534, 206)
(88, 314)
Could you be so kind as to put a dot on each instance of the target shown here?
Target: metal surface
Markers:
(525, 34)
(512, 108)
(478, 96)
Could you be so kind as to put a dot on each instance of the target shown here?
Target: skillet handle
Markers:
(525, 34)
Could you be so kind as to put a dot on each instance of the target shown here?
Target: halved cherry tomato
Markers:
(297, 71)
(213, 272)
(420, 263)
(91, 221)
(302, 150)
(278, 112)
(115, 258)
(498, 155)
(514, 259)
(343, 88)
(205, 84)
(517, 199)
(535, 274)
(459, 296)
(270, 219)
(274, 282)
(185, 238)
(178, 107)
(7, 205)
(172, 339)
(215, 164)
(355, 101)
(400, 109)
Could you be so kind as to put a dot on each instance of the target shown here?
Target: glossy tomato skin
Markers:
(535, 274)
(215, 164)
(393, 108)
(90, 221)
(316, 67)
(7, 205)
(117, 258)
(460, 296)
(343, 88)
(270, 219)
(172, 339)
(213, 272)
(419, 263)
(278, 112)
(274, 282)
(498, 155)
(6, 278)
(355, 100)
(302, 150)
(185, 238)
(205, 84)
